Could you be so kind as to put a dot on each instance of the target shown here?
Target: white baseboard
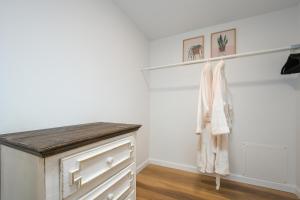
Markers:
(263, 183)
(234, 177)
(141, 166)
(163, 163)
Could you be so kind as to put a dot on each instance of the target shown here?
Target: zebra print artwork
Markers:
(193, 49)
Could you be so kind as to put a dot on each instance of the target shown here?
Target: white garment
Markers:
(205, 98)
(221, 117)
(214, 121)
(206, 147)
(221, 120)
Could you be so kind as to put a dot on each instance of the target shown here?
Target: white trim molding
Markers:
(234, 177)
(141, 166)
(174, 165)
(263, 183)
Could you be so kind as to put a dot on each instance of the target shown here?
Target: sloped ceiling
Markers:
(160, 18)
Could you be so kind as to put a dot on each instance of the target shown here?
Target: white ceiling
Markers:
(160, 18)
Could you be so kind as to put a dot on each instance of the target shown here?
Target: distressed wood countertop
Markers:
(48, 142)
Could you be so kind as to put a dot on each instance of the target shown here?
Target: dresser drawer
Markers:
(88, 169)
(131, 196)
(116, 188)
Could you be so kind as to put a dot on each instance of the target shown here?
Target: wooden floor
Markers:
(160, 183)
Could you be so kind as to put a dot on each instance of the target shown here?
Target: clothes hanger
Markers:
(208, 61)
(292, 65)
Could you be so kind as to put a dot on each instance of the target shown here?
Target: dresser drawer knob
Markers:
(110, 196)
(109, 160)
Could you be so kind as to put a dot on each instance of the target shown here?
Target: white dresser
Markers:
(91, 161)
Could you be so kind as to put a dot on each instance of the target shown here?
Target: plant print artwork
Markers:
(223, 43)
(193, 49)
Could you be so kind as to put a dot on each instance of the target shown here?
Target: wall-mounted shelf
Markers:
(268, 51)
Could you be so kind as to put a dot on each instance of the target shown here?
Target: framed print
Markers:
(193, 49)
(223, 43)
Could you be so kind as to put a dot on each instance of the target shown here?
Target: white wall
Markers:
(298, 137)
(298, 117)
(70, 62)
(299, 19)
(264, 103)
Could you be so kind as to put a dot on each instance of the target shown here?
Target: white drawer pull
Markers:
(110, 196)
(110, 160)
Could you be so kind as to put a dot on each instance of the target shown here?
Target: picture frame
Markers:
(223, 43)
(193, 49)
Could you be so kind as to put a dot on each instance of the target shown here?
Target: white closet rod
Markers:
(293, 47)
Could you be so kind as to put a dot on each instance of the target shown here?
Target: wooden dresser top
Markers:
(48, 142)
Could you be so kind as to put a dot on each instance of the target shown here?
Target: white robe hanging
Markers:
(221, 118)
(205, 98)
(214, 121)
(206, 142)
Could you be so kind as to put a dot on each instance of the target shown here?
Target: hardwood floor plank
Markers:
(161, 183)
